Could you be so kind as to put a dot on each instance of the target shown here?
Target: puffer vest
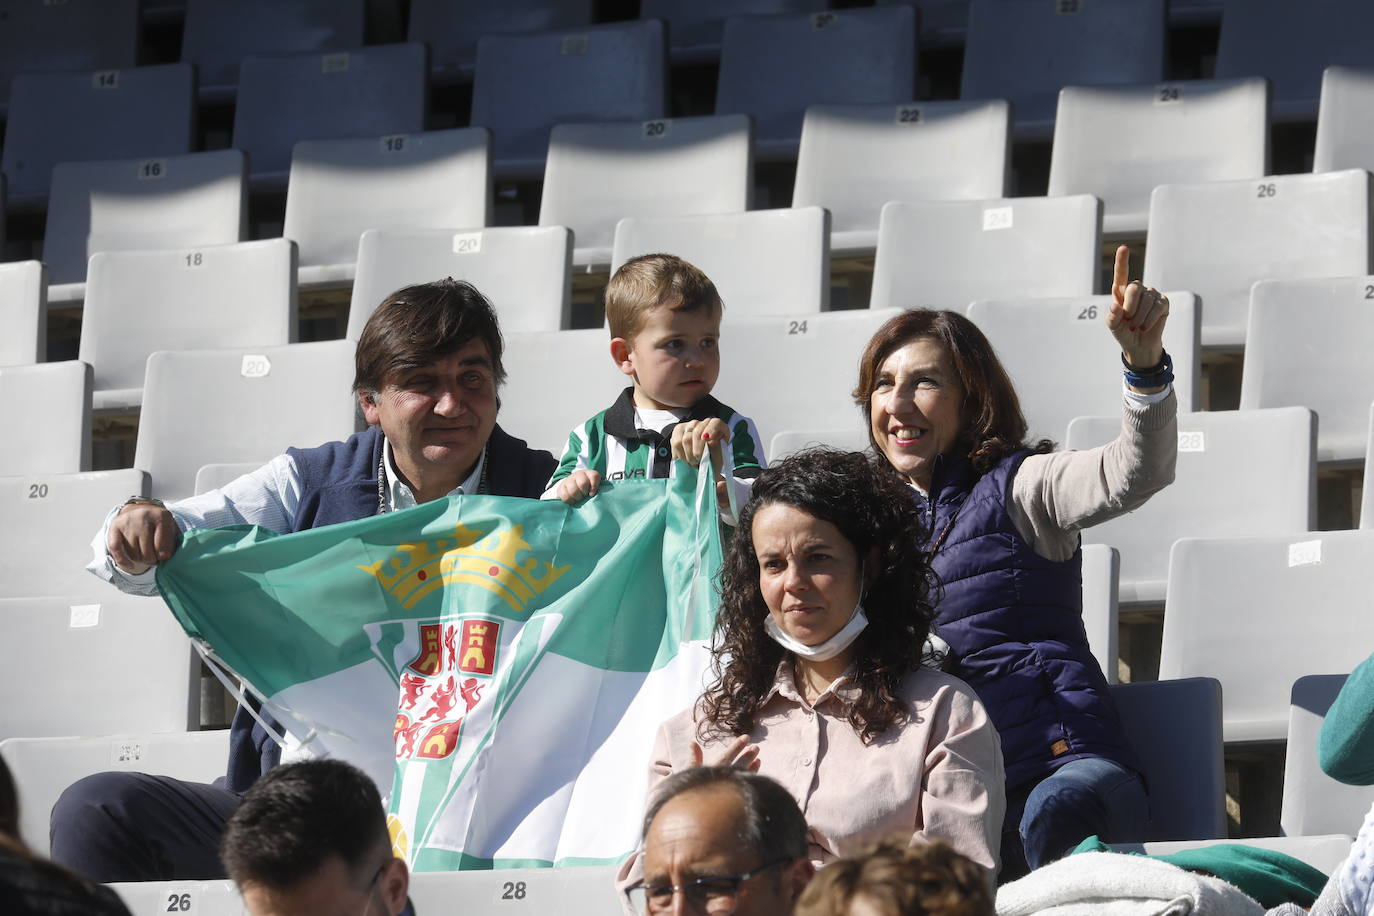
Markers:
(1014, 624)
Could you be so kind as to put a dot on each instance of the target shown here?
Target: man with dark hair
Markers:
(727, 840)
(311, 837)
(427, 372)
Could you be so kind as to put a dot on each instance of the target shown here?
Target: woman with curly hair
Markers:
(894, 879)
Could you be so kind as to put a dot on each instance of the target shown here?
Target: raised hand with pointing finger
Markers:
(1136, 319)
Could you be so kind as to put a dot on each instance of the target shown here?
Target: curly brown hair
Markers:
(900, 880)
(876, 513)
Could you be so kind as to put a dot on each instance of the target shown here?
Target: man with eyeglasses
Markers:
(724, 842)
(310, 839)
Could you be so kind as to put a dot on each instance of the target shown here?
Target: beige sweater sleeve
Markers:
(1054, 496)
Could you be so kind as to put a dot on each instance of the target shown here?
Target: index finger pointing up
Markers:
(1121, 273)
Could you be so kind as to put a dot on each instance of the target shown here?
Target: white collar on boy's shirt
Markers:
(399, 496)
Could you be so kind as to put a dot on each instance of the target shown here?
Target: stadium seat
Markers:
(1120, 142)
(1225, 457)
(527, 83)
(1296, 325)
(946, 254)
(213, 476)
(52, 519)
(1290, 43)
(524, 270)
(577, 365)
(1257, 613)
(1101, 571)
(1344, 137)
(852, 438)
(74, 674)
(44, 767)
(1070, 334)
(1217, 239)
(23, 313)
(944, 23)
(768, 262)
(284, 98)
(855, 158)
(227, 405)
(1027, 52)
(204, 898)
(239, 295)
(695, 27)
(1324, 853)
(1175, 728)
(1313, 803)
(72, 35)
(1367, 494)
(136, 204)
(339, 188)
(218, 34)
(569, 891)
(600, 173)
(452, 27)
(144, 112)
(773, 67)
(49, 407)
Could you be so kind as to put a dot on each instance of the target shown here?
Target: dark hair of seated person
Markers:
(896, 879)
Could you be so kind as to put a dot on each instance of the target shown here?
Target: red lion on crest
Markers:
(443, 701)
(411, 685)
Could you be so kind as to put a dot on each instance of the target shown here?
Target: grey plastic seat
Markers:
(1344, 138)
(240, 295)
(51, 404)
(855, 158)
(774, 67)
(340, 188)
(1070, 334)
(51, 518)
(1027, 52)
(1296, 325)
(524, 270)
(1175, 728)
(23, 312)
(526, 83)
(852, 438)
(1225, 457)
(44, 767)
(213, 476)
(136, 204)
(695, 27)
(946, 254)
(201, 406)
(1201, 130)
(72, 35)
(786, 271)
(944, 23)
(598, 174)
(143, 112)
(1324, 853)
(218, 34)
(1313, 803)
(1217, 239)
(452, 27)
(575, 891)
(379, 91)
(1101, 572)
(1257, 613)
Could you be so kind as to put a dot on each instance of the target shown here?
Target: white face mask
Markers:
(827, 650)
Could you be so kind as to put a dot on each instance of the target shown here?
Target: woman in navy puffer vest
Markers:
(1002, 518)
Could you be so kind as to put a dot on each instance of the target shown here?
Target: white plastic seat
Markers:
(1296, 325)
(1345, 139)
(227, 405)
(853, 438)
(695, 27)
(23, 312)
(946, 254)
(1070, 334)
(1202, 130)
(50, 521)
(144, 112)
(218, 34)
(1175, 728)
(240, 295)
(204, 898)
(570, 891)
(1217, 239)
(1367, 496)
(774, 67)
(1257, 613)
(1101, 572)
(49, 410)
(525, 271)
(579, 364)
(786, 271)
(72, 35)
(44, 767)
(1026, 52)
(855, 158)
(598, 174)
(378, 91)
(340, 188)
(1324, 853)
(452, 27)
(1314, 803)
(526, 83)
(214, 476)
(1224, 459)
(136, 204)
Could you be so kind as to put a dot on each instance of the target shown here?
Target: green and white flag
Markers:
(502, 664)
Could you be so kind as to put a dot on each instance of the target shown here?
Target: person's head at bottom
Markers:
(310, 839)
(895, 879)
(724, 842)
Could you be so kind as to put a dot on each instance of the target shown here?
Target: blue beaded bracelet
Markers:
(1154, 377)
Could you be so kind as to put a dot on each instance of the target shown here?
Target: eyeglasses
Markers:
(714, 895)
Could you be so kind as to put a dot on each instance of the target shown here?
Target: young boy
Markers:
(664, 317)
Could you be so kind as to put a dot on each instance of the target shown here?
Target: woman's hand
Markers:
(1137, 315)
(738, 753)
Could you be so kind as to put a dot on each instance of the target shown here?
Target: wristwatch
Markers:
(135, 500)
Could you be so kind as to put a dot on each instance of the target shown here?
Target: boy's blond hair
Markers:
(652, 281)
(900, 880)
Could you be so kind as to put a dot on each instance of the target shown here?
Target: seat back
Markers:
(786, 442)
(1101, 572)
(1313, 803)
(1367, 496)
(23, 312)
(1344, 136)
(574, 890)
(452, 27)
(695, 27)
(74, 35)
(587, 383)
(214, 476)
(51, 404)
